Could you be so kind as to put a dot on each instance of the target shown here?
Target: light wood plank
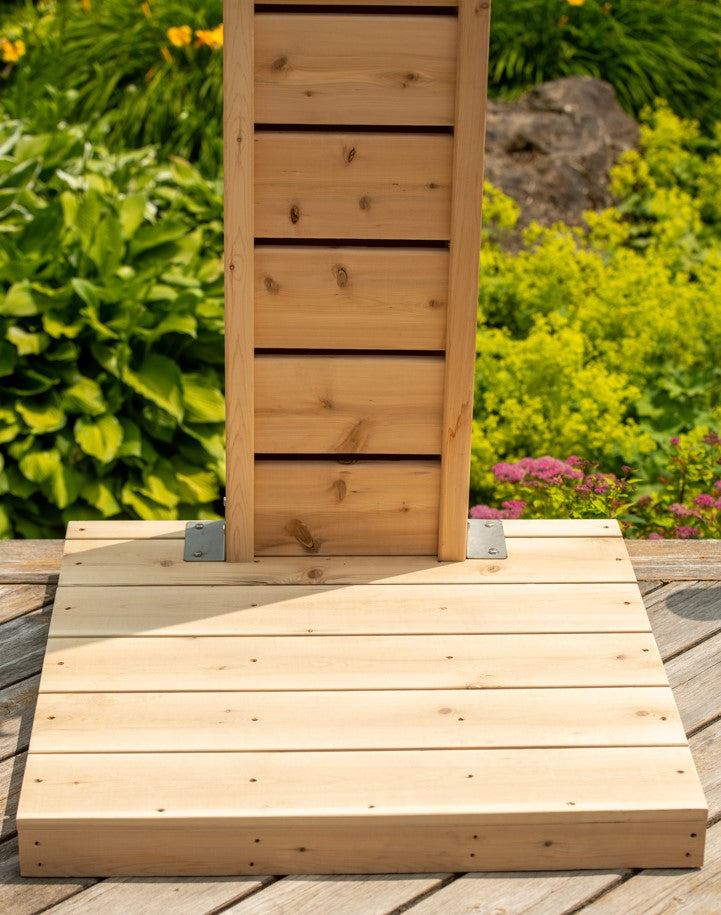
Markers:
(109, 563)
(384, 787)
(27, 897)
(175, 530)
(658, 892)
(348, 405)
(100, 848)
(415, 719)
(347, 610)
(378, 3)
(380, 507)
(331, 69)
(351, 662)
(465, 239)
(350, 298)
(238, 126)
(677, 560)
(352, 185)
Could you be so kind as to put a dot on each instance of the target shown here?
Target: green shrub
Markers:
(659, 49)
(111, 323)
(604, 343)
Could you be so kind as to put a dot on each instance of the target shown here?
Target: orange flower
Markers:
(213, 38)
(180, 36)
(12, 51)
(86, 5)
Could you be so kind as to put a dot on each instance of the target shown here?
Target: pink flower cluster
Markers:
(543, 470)
(511, 510)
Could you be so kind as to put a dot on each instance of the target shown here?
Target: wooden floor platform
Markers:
(354, 715)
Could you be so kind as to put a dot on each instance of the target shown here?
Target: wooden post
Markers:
(238, 117)
(469, 133)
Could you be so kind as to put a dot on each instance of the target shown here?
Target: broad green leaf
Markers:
(39, 466)
(100, 438)
(65, 486)
(100, 496)
(175, 324)
(204, 402)
(63, 352)
(87, 217)
(19, 301)
(132, 443)
(84, 396)
(160, 485)
(106, 250)
(8, 359)
(158, 380)
(148, 237)
(26, 342)
(132, 213)
(196, 485)
(42, 415)
(56, 326)
(145, 508)
(9, 425)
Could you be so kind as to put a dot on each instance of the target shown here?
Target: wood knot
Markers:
(271, 286)
(300, 532)
(341, 489)
(349, 154)
(280, 65)
(432, 185)
(341, 275)
(434, 303)
(364, 203)
(354, 440)
(294, 213)
(326, 403)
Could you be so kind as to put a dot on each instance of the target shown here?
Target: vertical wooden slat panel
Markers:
(238, 147)
(466, 198)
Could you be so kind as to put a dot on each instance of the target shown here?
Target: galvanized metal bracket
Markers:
(204, 541)
(486, 539)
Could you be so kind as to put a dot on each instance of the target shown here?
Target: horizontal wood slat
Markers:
(241, 721)
(331, 69)
(175, 530)
(310, 507)
(379, 3)
(348, 405)
(570, 560)
(376, 786)
(308, 297)
(352, 185)
(351, 662)
(348, 610)
(220, 847)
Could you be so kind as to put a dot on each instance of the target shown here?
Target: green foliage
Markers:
(113, 65)
(111, 319)
(660, 49)
(604, 343)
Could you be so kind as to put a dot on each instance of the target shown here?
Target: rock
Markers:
(551, 150)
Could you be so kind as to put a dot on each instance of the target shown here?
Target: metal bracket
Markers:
(486, 540)
(204, 541)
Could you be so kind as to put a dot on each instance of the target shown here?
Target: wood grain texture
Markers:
(27, 897)
(347, 610)
(676, 560)
(312, 507)
(17, 705)
(351, 662)
(352, 185)
(684, 613)
(23, 647)
(378, 3)
(17, 600)
(609, 783)
(238, 120)
(694, 676)
(175, 530)
(462, 313)
(331, 69)
(30, 561)
(350, 298)
(532, 560)
(348, 405)
(387, 720)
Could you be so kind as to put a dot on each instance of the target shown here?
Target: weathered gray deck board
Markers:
(686, 616)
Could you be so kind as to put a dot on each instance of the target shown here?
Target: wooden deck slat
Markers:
(381, 786)
(175, 530)
(110, 563)
(676, 560)
(17, 704)
(348, 610)
(351, 662)
(29, 561)
(27, 897)
(17, 600)
(23, 647)
(684, 613)
(241, 721)
(694, 676)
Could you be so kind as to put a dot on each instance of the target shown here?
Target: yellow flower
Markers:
(180, 36)
(213, 38)
(12, 51)
(576, 2)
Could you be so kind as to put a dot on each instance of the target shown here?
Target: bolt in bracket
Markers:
(486, 540)
(204, 541)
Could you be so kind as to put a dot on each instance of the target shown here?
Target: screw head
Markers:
(488, 524)
(493, 551)
(198, 554)
(199, 527)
